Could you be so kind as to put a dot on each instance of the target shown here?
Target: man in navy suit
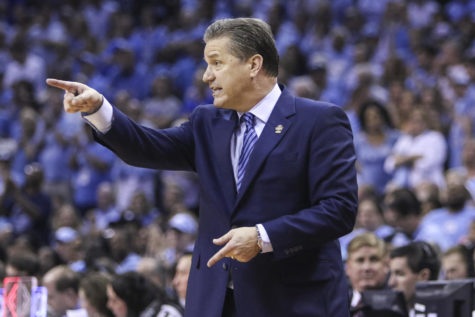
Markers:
(277, 180)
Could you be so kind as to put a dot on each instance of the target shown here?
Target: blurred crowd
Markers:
(403, 70)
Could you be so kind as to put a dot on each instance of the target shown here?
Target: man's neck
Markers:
(261, 88)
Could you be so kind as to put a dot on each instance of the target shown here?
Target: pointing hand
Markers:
(78, 97)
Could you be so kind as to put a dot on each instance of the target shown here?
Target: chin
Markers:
(218, 103)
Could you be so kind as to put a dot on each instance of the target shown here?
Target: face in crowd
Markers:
(367, 268)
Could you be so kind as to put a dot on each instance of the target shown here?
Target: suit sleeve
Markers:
(332, 190)
(171, 149)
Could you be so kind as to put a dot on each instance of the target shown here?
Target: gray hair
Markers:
(248, 36)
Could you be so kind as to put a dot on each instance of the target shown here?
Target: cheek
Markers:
(233, 82)
(408, 286)
(376, 266)
(358, 267)
(115, 308)
(123, 310)
(400, 283)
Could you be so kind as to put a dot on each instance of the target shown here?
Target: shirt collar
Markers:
(263, 108)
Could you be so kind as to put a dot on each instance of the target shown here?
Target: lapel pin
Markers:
(279, 128)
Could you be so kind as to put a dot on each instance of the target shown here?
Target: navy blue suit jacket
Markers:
(300, 184)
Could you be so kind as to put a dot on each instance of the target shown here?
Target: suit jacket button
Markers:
(225, 266)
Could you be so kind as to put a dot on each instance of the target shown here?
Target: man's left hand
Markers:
(239, 244)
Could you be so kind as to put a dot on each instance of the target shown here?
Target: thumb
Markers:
(223, 239)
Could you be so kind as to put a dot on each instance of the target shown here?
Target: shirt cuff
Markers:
(101, 120)
(266, 244)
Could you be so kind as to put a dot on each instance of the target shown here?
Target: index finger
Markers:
(219, 255)
(70, 86)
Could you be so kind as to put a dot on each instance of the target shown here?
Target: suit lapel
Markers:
(224, 124)
(276, 127)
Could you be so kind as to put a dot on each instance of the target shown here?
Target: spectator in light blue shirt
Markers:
(373, 145)
(447, 226)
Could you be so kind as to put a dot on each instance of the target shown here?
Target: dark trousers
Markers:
(229, 309)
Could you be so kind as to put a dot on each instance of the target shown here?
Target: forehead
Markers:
(367, 204)
(373, 110)
(364, 251)
(217, 47)
(399, 263)
(452, 258)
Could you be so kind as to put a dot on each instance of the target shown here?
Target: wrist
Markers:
(95, 108)
(259, 239)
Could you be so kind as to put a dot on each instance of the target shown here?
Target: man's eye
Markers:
(217, 63)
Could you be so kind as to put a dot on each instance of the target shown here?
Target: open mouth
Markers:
(216, 90)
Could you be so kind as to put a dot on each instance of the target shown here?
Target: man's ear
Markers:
(255, 64)
(423, 275)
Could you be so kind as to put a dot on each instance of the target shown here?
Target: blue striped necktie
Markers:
(249, 140)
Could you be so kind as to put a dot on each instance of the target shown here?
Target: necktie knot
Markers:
(248, 119)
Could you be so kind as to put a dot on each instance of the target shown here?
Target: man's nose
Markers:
(208, 75)
(367, 265)
(391, 281)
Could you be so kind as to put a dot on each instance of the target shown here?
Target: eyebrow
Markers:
(212, 55)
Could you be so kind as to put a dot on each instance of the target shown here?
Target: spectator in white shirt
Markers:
(418, 155)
